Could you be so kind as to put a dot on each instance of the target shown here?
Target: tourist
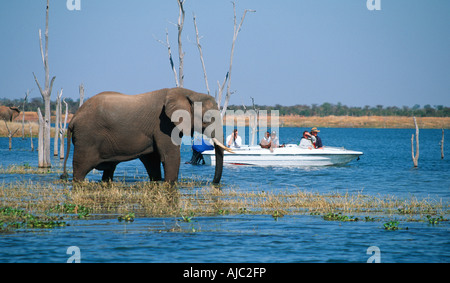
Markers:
(265, 142)
(306, 142)
(234, 140)
(318, 141)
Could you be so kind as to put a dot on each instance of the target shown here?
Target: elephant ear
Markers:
(177, 101)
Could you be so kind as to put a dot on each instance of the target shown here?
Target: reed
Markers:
(159, 199)
(192, 197)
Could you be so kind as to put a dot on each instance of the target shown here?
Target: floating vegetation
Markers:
(435, 220)
(20, 219)
(128, 217)
(392, 226)
(338, 217)
(191, 197)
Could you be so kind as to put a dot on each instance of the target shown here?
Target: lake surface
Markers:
(385, 169)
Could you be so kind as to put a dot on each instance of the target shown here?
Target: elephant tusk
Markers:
(222, 146)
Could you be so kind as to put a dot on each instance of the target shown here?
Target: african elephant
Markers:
(111, 127)
(9, 113)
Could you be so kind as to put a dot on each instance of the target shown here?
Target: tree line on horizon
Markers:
(326, 109)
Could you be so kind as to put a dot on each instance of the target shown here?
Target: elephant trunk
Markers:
(219, 163)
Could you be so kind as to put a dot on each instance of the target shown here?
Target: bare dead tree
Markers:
(179, 79)
(237, 29)
(199, 46)
(415, 157)
(10, 134)
(442, 145)
(23, 111)
(181, 54)
(253, 122)
(31, 138)
(221, 87)
(44, 143)
(40, 137)
(63, 129)
(81, 90)
(57, 122)
(169, 50)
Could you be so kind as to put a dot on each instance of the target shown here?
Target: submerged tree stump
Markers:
(415, 157)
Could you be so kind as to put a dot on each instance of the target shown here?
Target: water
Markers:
(385, 169)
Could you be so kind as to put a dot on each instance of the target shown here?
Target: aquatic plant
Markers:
(18, 218)
(277, 214)
(80, 210)
(391, 225)
(187, 218)
(435, 220)
(338, 217)
(128, 217)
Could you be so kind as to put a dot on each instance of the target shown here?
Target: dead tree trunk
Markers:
(180, 47)
(81, 89)
(31, 138)
(237, 29)
(221, 87)
(63, 130)
(442, 145)
(44, 125)
(201, 56)
(10, 135)
(40, 138)
(57, 122)
(415, 157)
(23, 112)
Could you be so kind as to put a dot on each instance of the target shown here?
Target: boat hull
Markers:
(291, 155)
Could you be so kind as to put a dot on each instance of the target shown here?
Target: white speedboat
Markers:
(291, 155)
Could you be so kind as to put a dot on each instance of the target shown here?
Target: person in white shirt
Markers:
(234, 140)
(306, 142)
(265, 142)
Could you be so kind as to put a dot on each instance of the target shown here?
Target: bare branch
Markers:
(169, 50)
(235, 35)
(201, 55)
(39, 86)
(42, 50)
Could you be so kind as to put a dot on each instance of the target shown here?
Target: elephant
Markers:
(9, 113)
(111, 127)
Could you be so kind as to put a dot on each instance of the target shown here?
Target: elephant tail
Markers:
(64, 175)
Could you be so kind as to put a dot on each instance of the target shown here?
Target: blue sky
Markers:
(288, 52)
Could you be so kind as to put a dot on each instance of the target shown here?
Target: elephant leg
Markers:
(108, 172)
(171, 164)
(80, 171)
(84, 160)
(152, 163)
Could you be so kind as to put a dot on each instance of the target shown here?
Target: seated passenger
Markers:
(316, 140)
(265, 142)
(274, 141)
(306, 142)
(234, 140)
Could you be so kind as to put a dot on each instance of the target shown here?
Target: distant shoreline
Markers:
(387, 122)
(381, 122)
